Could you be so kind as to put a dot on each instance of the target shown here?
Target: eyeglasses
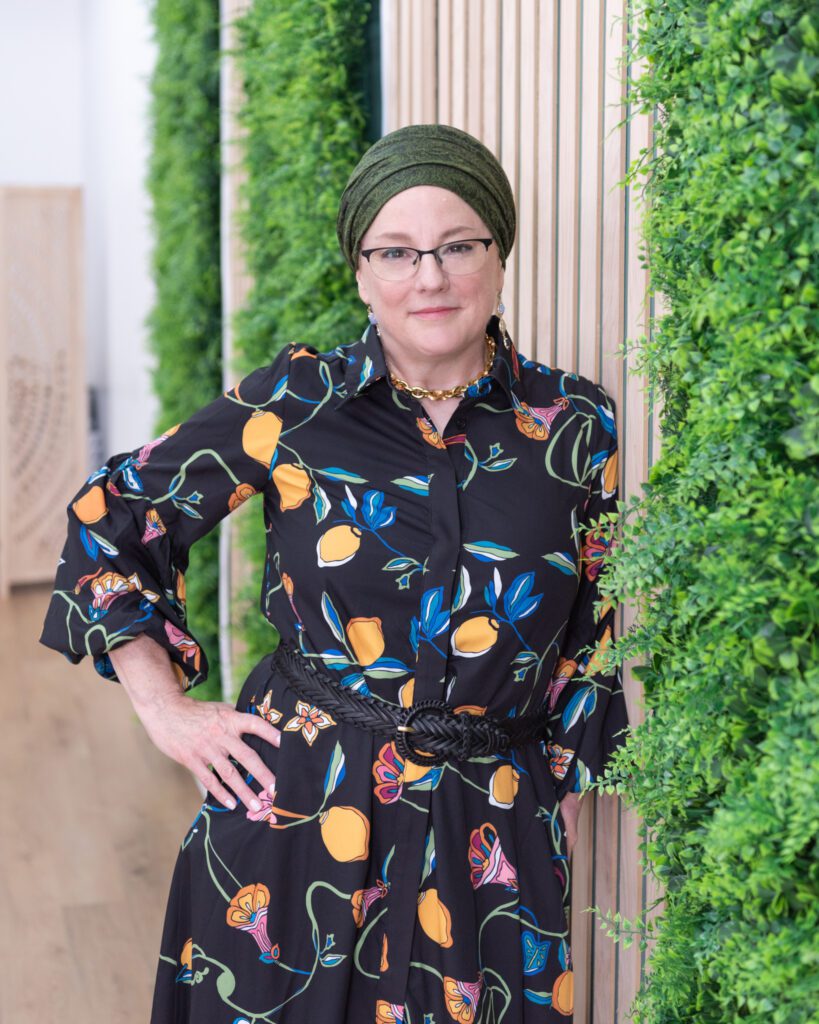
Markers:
(401, 262)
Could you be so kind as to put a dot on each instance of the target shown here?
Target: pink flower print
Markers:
(487, 861)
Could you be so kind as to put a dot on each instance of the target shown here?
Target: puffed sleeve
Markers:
(132, 523)
(587, 703)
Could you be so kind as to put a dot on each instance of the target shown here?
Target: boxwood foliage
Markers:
(304, 122)
(185, 324)
(720, 551)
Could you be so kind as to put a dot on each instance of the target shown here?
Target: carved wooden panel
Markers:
(43, 433)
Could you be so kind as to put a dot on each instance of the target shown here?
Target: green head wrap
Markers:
(426, 154)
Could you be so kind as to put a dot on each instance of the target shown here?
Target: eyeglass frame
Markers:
(366, 253)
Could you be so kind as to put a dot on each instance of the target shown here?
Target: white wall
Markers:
(74, 77)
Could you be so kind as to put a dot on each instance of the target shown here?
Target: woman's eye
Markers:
(394, 254)
(458, 249)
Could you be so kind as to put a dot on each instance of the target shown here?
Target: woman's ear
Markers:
(362, 290)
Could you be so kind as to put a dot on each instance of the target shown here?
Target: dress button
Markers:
(460, 422)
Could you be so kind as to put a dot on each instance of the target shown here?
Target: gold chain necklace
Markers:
(458, 389)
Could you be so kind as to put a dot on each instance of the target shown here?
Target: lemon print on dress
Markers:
(366, 638)
(338, 544)
(475, 636)
(91, 507)
(293, 485)
(563, 993)
(435, 917)
(406, 692)
(261, 435)
(503, 786)
(610, 475)
(346, 833)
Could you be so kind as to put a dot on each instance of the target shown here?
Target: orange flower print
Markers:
(388, 1013)
(559, 760)
(535, 422)
(240, 495)
(106, 587)
(248, 912)
(461, 998)
(385, 964)
(266, 709)
(429, 433)
(309, 720)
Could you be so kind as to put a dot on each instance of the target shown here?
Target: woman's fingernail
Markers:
(231, 805)
(272, 787)
(255, 805)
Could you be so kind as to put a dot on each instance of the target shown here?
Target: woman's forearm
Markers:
(147, 675)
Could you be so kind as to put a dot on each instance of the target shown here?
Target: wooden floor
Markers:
(92, 818)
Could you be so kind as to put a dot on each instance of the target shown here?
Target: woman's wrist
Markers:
(146, 673)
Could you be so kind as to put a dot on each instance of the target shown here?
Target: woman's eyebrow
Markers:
(398, 236)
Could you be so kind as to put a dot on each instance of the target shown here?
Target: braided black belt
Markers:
(440, 732)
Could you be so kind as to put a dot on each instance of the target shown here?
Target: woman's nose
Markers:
(430, 273)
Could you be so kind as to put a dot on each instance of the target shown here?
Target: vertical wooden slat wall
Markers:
(544, 84)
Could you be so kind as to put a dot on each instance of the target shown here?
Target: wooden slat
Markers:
(444, 62)
(404, 61)
(458, 43)
(474, 68)
(547, 181)
(490, 78)
(510, 136)
(427, 63)
(568, 143)
(590, 197)
(528, 176)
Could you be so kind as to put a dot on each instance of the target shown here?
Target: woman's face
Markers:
(431, 314)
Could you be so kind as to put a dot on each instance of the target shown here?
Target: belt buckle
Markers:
(402, 738)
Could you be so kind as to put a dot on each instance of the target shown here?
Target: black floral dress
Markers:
(412, 564)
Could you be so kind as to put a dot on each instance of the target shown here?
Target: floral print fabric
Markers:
(413, 564)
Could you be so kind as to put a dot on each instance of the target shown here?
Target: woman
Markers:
(393, 800)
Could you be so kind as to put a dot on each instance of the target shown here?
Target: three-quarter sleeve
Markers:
(588, 711)
(132, 523)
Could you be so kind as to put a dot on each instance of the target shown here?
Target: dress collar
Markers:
(366, 364)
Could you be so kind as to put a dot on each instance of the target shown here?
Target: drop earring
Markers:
(507, 341)
(373, 319)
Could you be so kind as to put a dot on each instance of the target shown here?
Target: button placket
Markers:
(430, 683)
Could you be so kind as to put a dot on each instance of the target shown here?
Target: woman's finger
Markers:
(212, 785)
(248, 722)
(231, 777)
(251, 761)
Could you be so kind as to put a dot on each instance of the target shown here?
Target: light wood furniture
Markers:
(43, 401)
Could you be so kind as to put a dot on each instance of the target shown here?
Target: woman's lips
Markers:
(433, 312)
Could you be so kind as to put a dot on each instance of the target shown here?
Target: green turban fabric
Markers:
(426, 154)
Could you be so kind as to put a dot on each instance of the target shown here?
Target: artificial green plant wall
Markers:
(186, 322)
(305, 126)
(724, 557)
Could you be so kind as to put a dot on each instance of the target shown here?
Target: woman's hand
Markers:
(194, 733)
(570, 809)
